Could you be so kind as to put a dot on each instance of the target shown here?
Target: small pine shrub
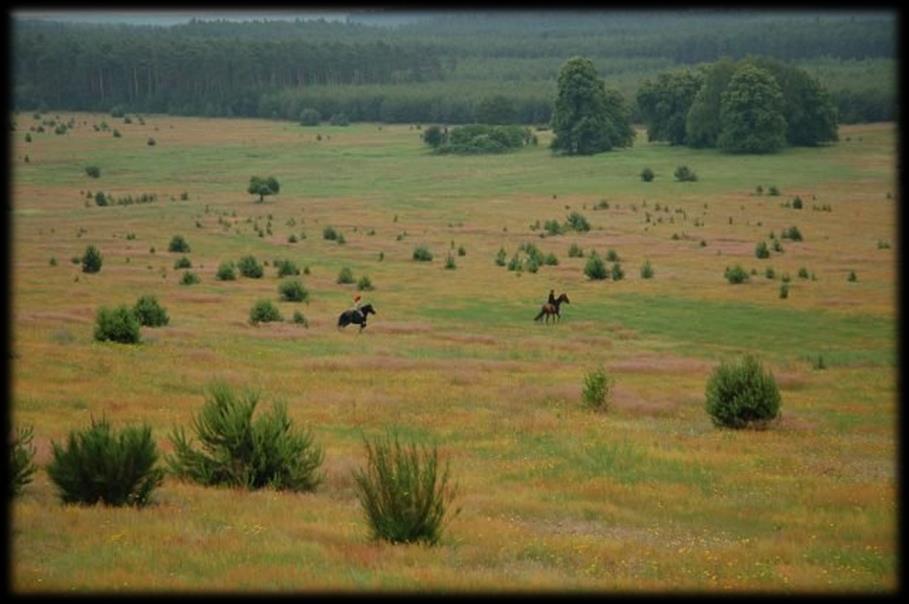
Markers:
(287, 268)
(740, 394)
(647, 175)
(882, 245)
(792, 233)
(761, 250)
(264, 311)
(595, 268)
(597, 390)
(292, 238)
(501, 256)
(189, 278)
(552, 227)
(53, 261)
(736, 274)
(250, 267)
(101, 199)
(797, 203)
(364, 284)
(784, 290)
(345, 276)
(769, 273)
(612, 256)
(91, 260)
(183, 262)
(515, 264)
(226, 272)
(150, 313)
(329, 233)
(852, 276)
(299, 319)
(450, 263)
(777, 246)
(100, 465)
(21, 460)
(617, 272)
(577, 222)
(462, 251)
(532, 265)
(803, 273)
(403, 493)
(238, 451)
(293, 291)
(647, 270)
(117, 325)
(178, 244)
(341, 240)
(150, 142)
(773, 190)
(575, 251)
(422, 254)
(818, 363)
(550, 260)
(759, 190)
(685, 174)
(93, 171)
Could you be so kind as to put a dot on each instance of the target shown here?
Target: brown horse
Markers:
(551, 309)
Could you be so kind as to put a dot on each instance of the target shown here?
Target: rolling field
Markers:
(648, 496)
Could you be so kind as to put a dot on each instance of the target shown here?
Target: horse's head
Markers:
(564, 298)
(367, 309)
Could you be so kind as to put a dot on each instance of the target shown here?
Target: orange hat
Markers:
(357, 298)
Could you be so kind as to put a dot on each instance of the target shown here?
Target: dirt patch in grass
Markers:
(662, 364)
(629, 401)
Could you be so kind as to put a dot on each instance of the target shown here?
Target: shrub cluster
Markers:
(293, 291)
(100, 465)
(597, 389)
(736, 274)
(422, 254)
(238, 451)
(685, 174)
(345, 276)
(481, 138)
(577, 222)
(226, 271)
(178, 244)
(595, 267)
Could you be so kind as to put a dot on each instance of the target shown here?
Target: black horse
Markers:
(356, 316)
(551, 309)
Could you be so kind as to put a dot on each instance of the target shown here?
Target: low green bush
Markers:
(183, 262)
(597, 389)
(422, 254)
(736, 274)
(646, 270)
(685, 174)
(740, 394)
(403, 493)
(189, 278)
(293, 291)
(345, 275)
(595, 268)
(149, 312)
(264, 311)
(178, 244)
(91, 260)
(647, 175)
(239, 451)
(226, 271)
(101, 465)
(250, 267)
(287, 268)
(117, 325)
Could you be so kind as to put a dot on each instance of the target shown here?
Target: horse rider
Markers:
(356, 303)
(552, 298)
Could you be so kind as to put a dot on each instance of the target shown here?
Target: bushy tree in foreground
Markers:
(239, 451)
(741, 393)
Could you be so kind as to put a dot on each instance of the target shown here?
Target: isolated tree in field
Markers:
(433, 136)
(263, 186)
(587, 118)
(702, 126)
(665, 103)
(751, 113)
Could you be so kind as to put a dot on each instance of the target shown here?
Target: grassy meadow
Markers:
(648, 496)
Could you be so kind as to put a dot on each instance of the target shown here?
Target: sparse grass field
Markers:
(648, 496)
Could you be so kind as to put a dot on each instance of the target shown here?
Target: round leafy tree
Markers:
(263, 186)
(587, 118)
(751, 113)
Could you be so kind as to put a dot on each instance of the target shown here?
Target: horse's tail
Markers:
(539, 316)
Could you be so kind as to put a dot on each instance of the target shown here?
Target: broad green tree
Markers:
(263, 186)
(587, 118)
(811, 116)
(701, 125)
(751, 113)
(665, 103)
